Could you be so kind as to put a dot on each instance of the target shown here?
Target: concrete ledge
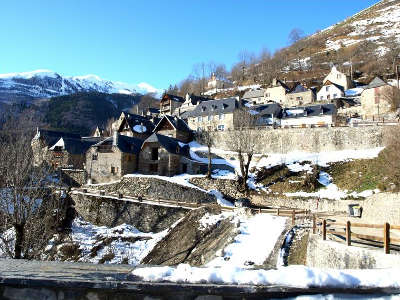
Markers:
(20, 279)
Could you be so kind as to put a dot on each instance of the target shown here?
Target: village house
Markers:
(277, 91)
(267, 114)
(134, 125)
(299, 95)
(175, 127)
(112, 158)
(309, 116)
(338, 78)
(255, 97)
(215, 83)
(376, 98)
(169, 103)
(213, 115)
(330, 91)
(191, 101)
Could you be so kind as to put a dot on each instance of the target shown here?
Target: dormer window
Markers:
(203, 108)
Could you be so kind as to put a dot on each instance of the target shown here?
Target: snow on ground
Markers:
(293, 276)
(257, 237)
(88, 236)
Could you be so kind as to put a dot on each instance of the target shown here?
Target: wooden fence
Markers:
(278, 211)
(344, 229)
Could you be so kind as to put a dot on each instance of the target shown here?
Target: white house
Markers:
(339, 78)
(256, 96)
(330, 91)
(309, 116)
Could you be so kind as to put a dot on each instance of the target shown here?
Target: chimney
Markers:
(115, 138)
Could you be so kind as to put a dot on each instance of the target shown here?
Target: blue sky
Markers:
(153, 41)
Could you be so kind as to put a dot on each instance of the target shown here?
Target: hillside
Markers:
(82, 112)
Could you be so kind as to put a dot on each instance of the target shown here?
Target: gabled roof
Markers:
(376, 82)
(170, 144)
(213, 107)
(254, 93)
(51, 137)
(173, 98)
(75, 146)
(299, 88)
(198, 99)
(328, 82)
(309, 111)
(268, 109)
(133, 120)
(282, 84)
(125, 144)
(176, 122)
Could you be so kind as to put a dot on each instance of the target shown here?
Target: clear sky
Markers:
(153, 41)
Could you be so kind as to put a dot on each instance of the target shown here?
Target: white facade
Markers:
(323, 120)
(329, 92)
(339, 78)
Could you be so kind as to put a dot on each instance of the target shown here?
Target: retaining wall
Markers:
(310, 139)
(334, 255)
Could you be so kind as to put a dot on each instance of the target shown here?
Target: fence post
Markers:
(386, 237)
(293, 217)
(314, 224)
(324, 230)
(259, 210)
(348, 233)
(277, 212)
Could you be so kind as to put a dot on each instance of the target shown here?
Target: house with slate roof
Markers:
(300, 95)
(255, 97)
(277, 91)
(267, 114)
(213, 115)
(113, 158)
(175, 127)
(375, 98)
(169, 103)
(330, 91)
(134, 125)
(309, 116)
(339, 78)
(191, 101)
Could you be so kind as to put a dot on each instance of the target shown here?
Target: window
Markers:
(327, 88)
(199, 129)
(112, 170)
(328, 97)
(338, 76)
(58, 148)
(322, 98)
(221, 116)
(334, 96)
(153, 168)
(154, 153)
(209, 118)
(267, 95)
(94, 156)
(184, 168)
(299, 98)
(221, 127)
(199, 119)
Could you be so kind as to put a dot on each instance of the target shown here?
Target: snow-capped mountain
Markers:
(41, 84)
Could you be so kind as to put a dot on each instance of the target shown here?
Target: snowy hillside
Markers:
(45, 84)
(378, 23)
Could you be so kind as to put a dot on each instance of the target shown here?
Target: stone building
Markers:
(175, 127)
(113, 158)
(166, 156)
(267, 114)
(300, 95)
(191, 101)
(376, 98)
(134, 125)
(214, 115)
(169, 103)
(309, 116)
(339, 78)
(277, 91)
(215, 83)
(330, 91)
(255, 97)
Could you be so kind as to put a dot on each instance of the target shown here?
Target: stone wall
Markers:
(155, 188)
(310, 139)
(381, 208)
(73, 177)
(334, 255)
(227, 187)
(111, 213)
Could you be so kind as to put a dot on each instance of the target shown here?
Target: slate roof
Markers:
(281, 83)
(77, 146)
(310, 111)
(198, 99)
(174, 98)
(299, 88)
(51, 137)
(254, 94)
(125, 144)
(334, 84)
(154, 110)
(376, 82)
(134, 119)
(170, 144)
(213, 107)
(176, 122)
(268, 109)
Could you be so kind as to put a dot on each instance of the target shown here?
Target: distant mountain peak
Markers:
(44, 83)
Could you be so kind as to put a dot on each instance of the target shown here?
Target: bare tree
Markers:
(25, 201)
(243, 140)
(205, 137)
(295, 35)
